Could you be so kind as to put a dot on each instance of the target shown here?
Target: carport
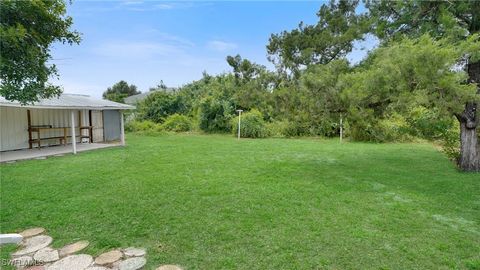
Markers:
(70, 119)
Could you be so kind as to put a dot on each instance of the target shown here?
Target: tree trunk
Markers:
(469, 121)
(469, 149)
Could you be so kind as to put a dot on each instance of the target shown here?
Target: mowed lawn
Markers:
(212, 202)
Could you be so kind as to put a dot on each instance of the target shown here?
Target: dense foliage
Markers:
(177, 123)
(252, 125)
(413, 85)
(119, 91)
(27, 31)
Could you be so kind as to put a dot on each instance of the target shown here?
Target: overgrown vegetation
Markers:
(414, 85)
(252, 125)
(387, 97)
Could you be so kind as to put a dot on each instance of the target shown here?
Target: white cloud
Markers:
(221, 46)
(167, 37)
(135, 49)
(163, 6)
(131, 2)
(133, 5)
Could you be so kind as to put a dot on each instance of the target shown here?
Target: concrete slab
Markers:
(35, 153)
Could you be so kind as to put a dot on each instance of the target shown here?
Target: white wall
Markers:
(14, 125)
(13, 128)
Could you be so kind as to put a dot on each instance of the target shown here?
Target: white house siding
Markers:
(14, 125)
(13, 128)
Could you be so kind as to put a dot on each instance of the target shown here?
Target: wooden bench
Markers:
(62, 139)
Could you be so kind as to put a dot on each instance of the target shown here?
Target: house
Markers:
(60, 121)
(133, 100)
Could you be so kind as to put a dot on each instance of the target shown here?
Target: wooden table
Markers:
(62, 139)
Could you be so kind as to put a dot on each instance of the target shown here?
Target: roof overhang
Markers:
(70, 102)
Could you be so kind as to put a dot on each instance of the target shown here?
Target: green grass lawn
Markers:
(212, 202)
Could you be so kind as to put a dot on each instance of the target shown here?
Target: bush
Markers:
(450, 140)
(252, 125)
(136, 126)
(177, 123)
(275, 128)
(215, 115)
(365, 126)
(295, 129)
(428, 123)
(393, 128)
(158, 106)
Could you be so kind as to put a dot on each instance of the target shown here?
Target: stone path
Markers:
(35, 253)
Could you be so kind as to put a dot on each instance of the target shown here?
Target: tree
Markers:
(160, 86)
(27, 31)
(119, 91)
(407, 74)
(331, 38)
(159, 105)
(453, 20)
(322, 96)
(253, 83)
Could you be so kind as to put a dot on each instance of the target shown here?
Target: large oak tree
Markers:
(27, 31)
(454, 21)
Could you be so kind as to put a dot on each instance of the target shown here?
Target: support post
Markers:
(341, 128)
(122, 129)
(239, 120)
(90, 125)
(29, 119)
(72, 129)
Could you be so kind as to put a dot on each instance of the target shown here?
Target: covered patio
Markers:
(25, 154)
(66, 124)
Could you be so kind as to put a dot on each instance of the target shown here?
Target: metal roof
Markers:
(139, 97)
(70, 101)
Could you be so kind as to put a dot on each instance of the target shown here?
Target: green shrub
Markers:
(158, 106)
(215, 115)
(136, 126)
(295, 129)
(364, 126)
(177, 123)
(393, 128)
(450, 140)
(428, 123)
(252, 125)
(275, 128)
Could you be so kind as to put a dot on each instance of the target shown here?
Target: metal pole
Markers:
(239, 120)
(239, 117)
(72, 130)
(122, 129)
(341, 128)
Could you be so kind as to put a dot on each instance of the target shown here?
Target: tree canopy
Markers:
(27, 31)
(119, 91)
(331, 38)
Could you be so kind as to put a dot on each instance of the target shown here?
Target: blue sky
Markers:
(144, 42)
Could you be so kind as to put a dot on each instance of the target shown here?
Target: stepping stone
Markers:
(22, 261)
(72, 248)
(132, 263)
(168, 267)
(32, 232)
(38, 267)
(45, 255)
(134, 252)
(41, 158)
(97, 268)
(33, 244)
(109, 257)
(72, 262)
